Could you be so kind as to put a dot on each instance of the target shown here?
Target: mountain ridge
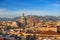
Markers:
(47, 18)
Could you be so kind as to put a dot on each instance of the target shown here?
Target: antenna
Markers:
(23, 14)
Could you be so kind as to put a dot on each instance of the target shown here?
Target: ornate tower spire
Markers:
(30, 20)
(23, 14)
(23, 20)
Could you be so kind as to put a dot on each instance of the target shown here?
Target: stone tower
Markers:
(31, 21)
(23, 21)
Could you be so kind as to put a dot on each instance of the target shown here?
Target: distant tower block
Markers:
(30, 20)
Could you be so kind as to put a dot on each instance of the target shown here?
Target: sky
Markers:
(15, 8)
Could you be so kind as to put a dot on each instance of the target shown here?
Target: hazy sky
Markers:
(14, 8)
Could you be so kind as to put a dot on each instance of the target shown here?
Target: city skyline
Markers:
(14, 8)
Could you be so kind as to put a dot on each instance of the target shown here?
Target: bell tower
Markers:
(31, 21)
(23, 20)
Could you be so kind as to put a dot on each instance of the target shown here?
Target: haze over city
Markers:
(15, 8)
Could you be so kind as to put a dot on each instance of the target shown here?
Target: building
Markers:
(31, 21)
(23, 21)
(14, 24)
(51, 24)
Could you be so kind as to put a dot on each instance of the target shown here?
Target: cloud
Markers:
(15, 13)
(7, 13)
(57, 3)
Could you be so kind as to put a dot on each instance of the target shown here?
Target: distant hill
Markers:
(46, 18)
(5, 19)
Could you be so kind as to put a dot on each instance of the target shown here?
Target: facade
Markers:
(14, 24)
